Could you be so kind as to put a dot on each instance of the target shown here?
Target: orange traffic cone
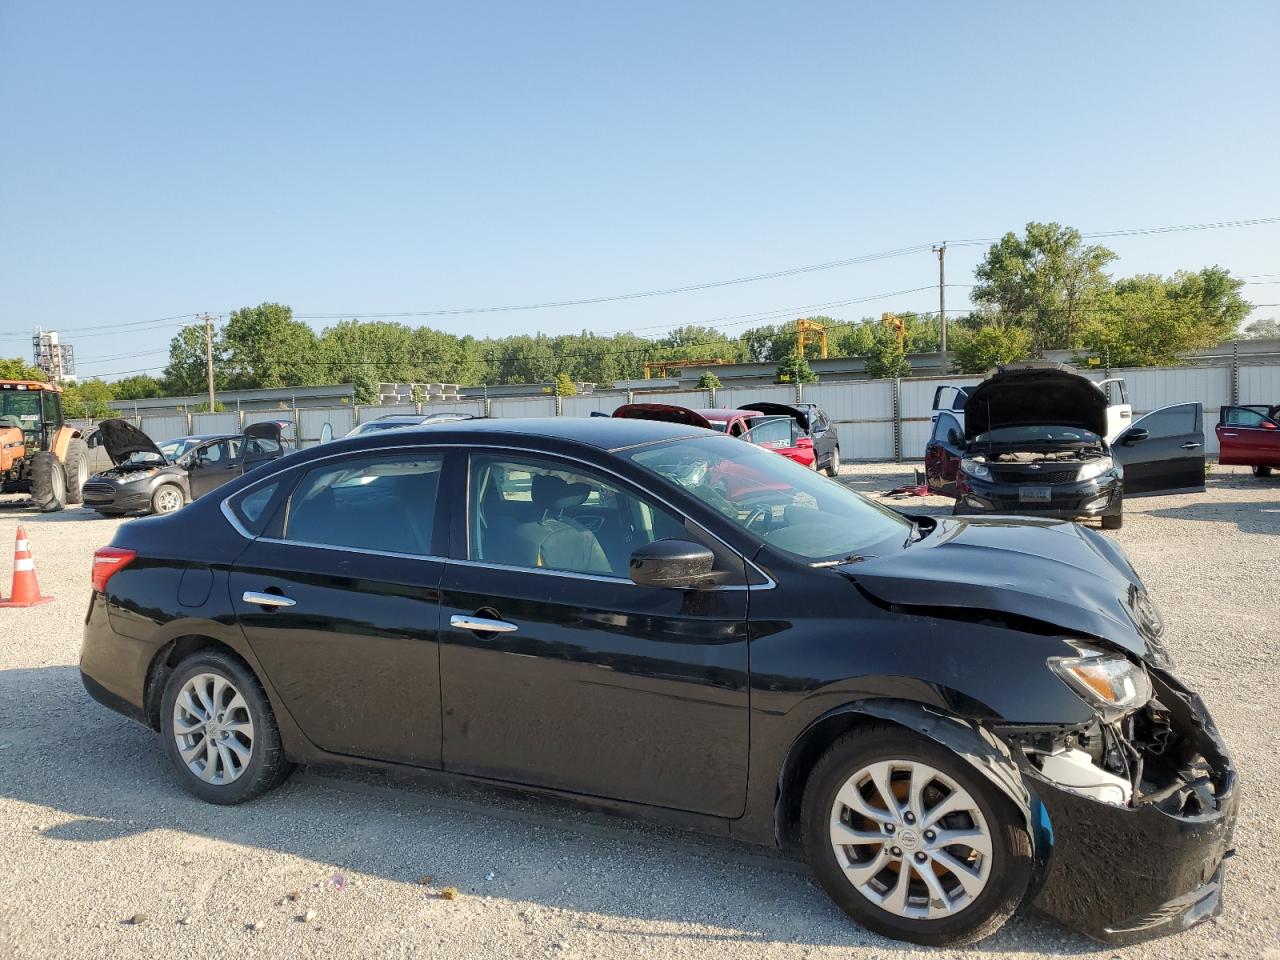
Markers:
(26, 591)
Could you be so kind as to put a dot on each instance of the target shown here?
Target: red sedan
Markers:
(780, 434)
(1249, 436)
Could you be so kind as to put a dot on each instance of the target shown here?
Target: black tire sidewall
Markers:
(267, 765)
(1012, 861)
(833, 464)
(48, 483)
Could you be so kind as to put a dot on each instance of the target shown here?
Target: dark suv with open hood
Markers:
(147, 477)
(1033, 442)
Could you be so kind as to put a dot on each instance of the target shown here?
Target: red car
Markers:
(1249, 436)
(781, 434)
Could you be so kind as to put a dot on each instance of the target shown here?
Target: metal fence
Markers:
(877, 419)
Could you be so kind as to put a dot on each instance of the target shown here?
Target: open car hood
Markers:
(121, 439)
(779, 410)
(665, 412)
(1029, 396)
(1059, 574)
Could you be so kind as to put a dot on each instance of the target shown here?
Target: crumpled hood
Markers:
(1036, 396)
(121, 439)
(1057, 573)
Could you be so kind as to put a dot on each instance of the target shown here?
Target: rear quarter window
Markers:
(253, 508)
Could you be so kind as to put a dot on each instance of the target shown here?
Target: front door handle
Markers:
(1191, 445)
(481, 624)
(268, 599)
(1226, 434)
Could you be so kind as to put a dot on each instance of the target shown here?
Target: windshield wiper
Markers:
(849, 558)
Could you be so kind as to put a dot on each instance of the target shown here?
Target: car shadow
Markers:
(1249, 516)
(102, 778)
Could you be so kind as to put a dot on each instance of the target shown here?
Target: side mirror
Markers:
(671, 563)
(1134, 435)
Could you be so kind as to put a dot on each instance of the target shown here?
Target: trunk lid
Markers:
(779, 410)
(665, 412)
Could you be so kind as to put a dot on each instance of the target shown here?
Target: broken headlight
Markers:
(975, 468)
(1110, 682)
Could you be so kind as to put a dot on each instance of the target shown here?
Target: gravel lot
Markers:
(95, 831)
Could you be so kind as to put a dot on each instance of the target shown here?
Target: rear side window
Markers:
(261, 445)
(255, 507)
(382, 503)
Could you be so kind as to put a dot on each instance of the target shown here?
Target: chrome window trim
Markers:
(229, 513)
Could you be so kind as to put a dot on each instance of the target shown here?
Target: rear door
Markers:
(943, 453)
(1248, 437)
(340, 600)
(1171, 455)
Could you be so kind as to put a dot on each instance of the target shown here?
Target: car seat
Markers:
(555, 541)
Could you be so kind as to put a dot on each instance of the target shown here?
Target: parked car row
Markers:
(650, 617)
(1249, 436)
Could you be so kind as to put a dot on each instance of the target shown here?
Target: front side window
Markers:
(774, 499)
(1169, 422)
(215, 453)
(776, 433)
(1241, 417)
(383, 503)
(538, 514)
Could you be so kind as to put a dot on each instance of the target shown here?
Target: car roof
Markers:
(409, 417)
(606, 433)
(201, 438)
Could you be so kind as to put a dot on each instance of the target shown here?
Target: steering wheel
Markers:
(759, 514)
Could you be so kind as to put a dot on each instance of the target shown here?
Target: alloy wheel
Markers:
(168, 499)
(213, 728)
(910, 839)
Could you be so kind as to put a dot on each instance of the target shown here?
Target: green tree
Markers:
(138, 387)
(565, 387)
(88, 400)
(1150, 320)
(989, 345)
(1047, 281)
(708, 381)
(16, 369)
(185, 373)
(267, 348)
(887, 358)
(1267, 328)
(796, 369)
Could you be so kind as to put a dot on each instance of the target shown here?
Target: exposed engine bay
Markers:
(1164, 754)
(1042, 456)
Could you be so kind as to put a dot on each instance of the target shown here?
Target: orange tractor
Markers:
(39, 453)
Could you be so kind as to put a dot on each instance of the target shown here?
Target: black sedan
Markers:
(146, 477)
(951, 717)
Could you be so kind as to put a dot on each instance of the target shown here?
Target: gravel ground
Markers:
(95, 832)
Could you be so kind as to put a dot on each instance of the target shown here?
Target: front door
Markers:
(1248, 437)
(213, 465)
(1163, 451)
(558, 671)
(341, 603)
(943, 453)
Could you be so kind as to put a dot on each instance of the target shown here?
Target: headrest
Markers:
(552, 493)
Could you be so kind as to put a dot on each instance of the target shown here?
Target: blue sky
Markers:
(158, 159)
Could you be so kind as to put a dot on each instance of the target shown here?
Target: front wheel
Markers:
(1262, 471)
(911, 841)
(833, 465)
(48, 483)
(167, 498)
(219, 731)
(76, 465)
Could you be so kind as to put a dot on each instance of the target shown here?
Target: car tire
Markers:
(77, 469)
(965, 911)
(48, 483)
(1262, 471)
(833, 464)
(247, 758)
(1114, 522)
(168, 498)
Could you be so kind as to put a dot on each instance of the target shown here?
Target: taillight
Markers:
(107, 562)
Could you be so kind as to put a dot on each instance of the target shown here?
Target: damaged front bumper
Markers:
(1126, 873)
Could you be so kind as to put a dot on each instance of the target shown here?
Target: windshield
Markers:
(22, 406)
(1038, 433)
(173, 449)
(774, 499)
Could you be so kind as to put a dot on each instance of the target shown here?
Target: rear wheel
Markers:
(833, 465)
(1262, 471)
(1113, 523)
(219, 731)
(911, 841)
(167, 498)
(48, 483)
(77, 469)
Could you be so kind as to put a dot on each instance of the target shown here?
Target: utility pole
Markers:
(208, 356)
(941, 251)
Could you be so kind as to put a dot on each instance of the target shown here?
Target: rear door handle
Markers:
(1226, 434)
(1191, 445)
(481, 624)
(268, 599)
